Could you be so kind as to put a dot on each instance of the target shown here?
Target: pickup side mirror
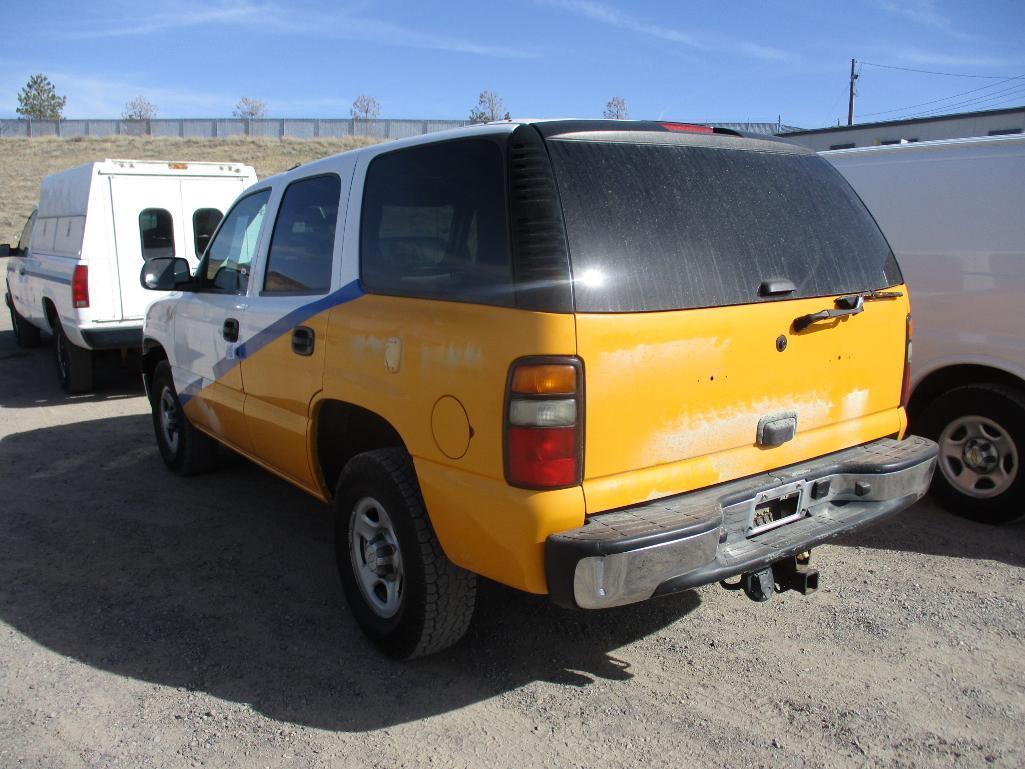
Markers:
(165, 273)
(5, 250)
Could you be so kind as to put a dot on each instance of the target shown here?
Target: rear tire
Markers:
(74, 363)
(402, 589)
(25, 334)
(981, 433)
(184, 449)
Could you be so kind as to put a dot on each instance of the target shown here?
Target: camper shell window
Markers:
(156, 231)
(204, 222)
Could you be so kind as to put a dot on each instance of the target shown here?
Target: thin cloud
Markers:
(921, 57)
(607, 14)
(924, 13)
(272, 18)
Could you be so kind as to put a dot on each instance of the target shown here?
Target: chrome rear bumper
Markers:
(708, 535)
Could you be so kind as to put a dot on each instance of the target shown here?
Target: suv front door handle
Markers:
(302, 340)
(230, 330)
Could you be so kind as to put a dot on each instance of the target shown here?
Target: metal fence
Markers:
(216, 128)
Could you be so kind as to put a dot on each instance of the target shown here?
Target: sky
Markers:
(746, 60)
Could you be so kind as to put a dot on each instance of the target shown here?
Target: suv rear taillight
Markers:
(905, 386)
(544, 423)
(80, 287)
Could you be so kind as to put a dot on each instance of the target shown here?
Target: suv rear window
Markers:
(664, 226)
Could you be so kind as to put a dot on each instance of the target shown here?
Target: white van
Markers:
(75, 272)
(954, 213)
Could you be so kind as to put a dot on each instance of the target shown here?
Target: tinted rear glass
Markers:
(666, 227)
(434, 223)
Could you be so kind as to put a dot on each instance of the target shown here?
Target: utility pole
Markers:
(850, 101)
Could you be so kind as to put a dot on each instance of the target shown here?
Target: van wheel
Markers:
(25, 334)
(402, 589)
(183, 448)
(74, 363)
(981, 433)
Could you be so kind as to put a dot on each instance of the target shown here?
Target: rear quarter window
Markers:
(434, 223)
(667, 226)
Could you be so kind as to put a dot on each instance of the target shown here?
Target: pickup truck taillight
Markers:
(544, 423)
(80, 287)
(905, 386)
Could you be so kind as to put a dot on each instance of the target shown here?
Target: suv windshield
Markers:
(669, 226)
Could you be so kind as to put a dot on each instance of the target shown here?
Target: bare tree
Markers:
(249, 109)
(365, 108)
(489, 107)
(616, 109)
(139, 108)
(38, 100)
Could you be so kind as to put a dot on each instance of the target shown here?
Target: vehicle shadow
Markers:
(928, 529)
(28, 378)
(226, 583)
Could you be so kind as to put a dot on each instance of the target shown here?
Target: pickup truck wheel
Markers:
(980, 430)
(402, 589)
(183, 448)
(25, 334)
(74, 363)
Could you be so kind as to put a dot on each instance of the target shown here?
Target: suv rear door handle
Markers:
(303, 340)
(230, 330)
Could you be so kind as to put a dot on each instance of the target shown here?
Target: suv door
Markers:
(208, 323)
(285, 325)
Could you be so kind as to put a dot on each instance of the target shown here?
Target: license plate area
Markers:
(776, 508)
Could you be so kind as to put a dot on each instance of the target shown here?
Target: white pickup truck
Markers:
(75, 271)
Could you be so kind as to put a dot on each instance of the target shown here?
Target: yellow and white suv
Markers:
(599, 360)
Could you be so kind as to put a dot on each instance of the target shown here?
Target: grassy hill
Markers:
(24, 162)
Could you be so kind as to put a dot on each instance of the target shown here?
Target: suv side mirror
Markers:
(165, 273)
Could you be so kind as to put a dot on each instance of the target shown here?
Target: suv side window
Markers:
(300, 257)
(434, 223)
(226, 264)
(156, 231)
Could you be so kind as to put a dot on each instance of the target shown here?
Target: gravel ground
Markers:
(147, 620)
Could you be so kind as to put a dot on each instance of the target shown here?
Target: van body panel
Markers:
(674, 399)
(955, 216)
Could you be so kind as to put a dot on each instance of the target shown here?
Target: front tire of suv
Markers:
(402, 589)
(184, 449)
(74, 363)
(981, 433)
(25, 334)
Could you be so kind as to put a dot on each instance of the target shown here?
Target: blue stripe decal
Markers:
(49, 276)
(189, 391)
(285, 324)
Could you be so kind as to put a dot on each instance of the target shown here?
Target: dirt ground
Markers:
(153, 621)
(24, 162)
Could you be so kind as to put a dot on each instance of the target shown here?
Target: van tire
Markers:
(1003, 408)
(74, 363)
(25, 334)
(189, 451)
(435, 598)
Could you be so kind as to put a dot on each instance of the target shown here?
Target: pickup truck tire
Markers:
(25, 334)
(981, 433)
(74, 363)
(402, 589)
(184, 449)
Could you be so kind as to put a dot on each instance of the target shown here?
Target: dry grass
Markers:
(24, 162)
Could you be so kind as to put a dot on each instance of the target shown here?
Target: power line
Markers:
(945, 74)
(945, 98)
(997, 98)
